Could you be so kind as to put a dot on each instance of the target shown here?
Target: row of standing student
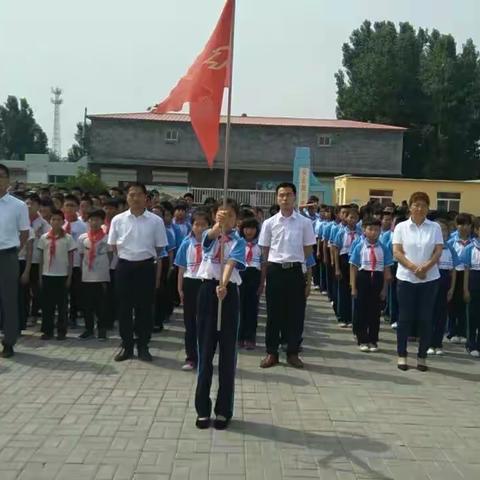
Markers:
(350, 252)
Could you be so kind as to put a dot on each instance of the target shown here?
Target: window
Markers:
(58, 178)
(324, 140)
(384, 197)
(340, 196)
(172, 136)
(448, 201)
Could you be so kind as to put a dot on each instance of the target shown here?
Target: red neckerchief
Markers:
(69, 219)
(94, 237)
(226, 239)
(373, 257)
(53, 245)
(33, 218)
(106, 225)
(249, 256)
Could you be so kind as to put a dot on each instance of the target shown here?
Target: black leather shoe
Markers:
(124, 354)
(7, 351)
(202, 423)
(144, 355)
(221, 423)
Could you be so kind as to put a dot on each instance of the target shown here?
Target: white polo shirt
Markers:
(137, 238)
(418, 243)
(13, 220)
(286, 237)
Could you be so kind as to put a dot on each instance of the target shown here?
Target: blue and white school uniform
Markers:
(184, 228)
(208, 336)
(249, 299)
(471, 260)
(189, 257)
(371, 261)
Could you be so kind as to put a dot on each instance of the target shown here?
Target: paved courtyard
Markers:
(68, 411)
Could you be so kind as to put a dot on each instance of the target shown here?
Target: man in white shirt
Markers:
(14, 231)
(137, 236)
(287, 239)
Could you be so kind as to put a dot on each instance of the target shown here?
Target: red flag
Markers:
(203, 86)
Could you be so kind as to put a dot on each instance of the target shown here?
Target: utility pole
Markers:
(57, 140)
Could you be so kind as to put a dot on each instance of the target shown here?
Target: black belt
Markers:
(6, 251)
(136, 262)
(286, 265)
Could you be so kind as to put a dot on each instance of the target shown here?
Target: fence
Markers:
(255, 198)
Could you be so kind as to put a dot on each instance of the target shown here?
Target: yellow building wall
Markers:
(357, 190)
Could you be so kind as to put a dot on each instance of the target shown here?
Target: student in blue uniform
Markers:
(448, 275)
(370, 263)
(471, 292)
(209, 294)
(188, 260)
(457, 314)
(180, 219)
(253, 283)
(342, 244)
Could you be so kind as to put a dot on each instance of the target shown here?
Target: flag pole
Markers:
(226, 160)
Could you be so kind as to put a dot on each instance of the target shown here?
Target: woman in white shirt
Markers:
(417, 246)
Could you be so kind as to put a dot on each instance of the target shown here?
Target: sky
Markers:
(124, 55)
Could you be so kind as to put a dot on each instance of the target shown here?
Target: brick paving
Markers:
(68, 411)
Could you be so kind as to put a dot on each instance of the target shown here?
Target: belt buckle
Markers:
(287, 265)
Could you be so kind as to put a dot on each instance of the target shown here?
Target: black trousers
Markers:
(54, 296)
(111, 301)
(344, 293)
(163, 295)
(473, 319)
(22, 298)
(285, 294)
(75, 292)
(208, 337)
(34, 291)
(368, 306)
(191, 287)
(135, 288)
(95, 304)
(9, 295)
(440, 309)
(316, 268)
(249, 301)
(416, 302)
(457, 312)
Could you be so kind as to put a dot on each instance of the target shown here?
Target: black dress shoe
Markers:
(202, 423)
(144, 355)
(7, 351)
(221, 423)
(124, 354)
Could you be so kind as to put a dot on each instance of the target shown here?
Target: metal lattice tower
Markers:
(57, 140)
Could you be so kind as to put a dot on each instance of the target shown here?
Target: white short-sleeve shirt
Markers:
(13, 220)
(418, 243)
(100, 270)
(58, 265)
(137, 238)
(286, 237)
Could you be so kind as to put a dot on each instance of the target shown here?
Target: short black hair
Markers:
(97, 213)
(273, 210)
(250, 222)
(246, 213)
(58, 213)
(313, 198)
(201, 213)
(71, 198)
(117, 189)
(210, 201)
(464, 219)
(88, 199)
(46, 202)
(229, 203)
(139, 185)
(181, 206)
(33, 197)
(371, 222)
(76, 187)
(167, 206)
(111, 202)
(5, 169)
(189, 195)
(286, 185)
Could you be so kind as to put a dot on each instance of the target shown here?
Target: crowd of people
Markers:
(126, 257)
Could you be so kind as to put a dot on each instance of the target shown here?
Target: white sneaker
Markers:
(462, 340)
(475, 353)
(431, 351)
(394, 325)
(342, 325)
(455, 339)
(364, 348)
(438, 351)
(324, 292)
(188, 366)
(373, 348)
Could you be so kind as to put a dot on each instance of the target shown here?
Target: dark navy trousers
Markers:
(440, 310)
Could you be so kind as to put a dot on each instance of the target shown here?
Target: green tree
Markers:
(19, 132)
(81, 147)
(417, 80)
(88, 181)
